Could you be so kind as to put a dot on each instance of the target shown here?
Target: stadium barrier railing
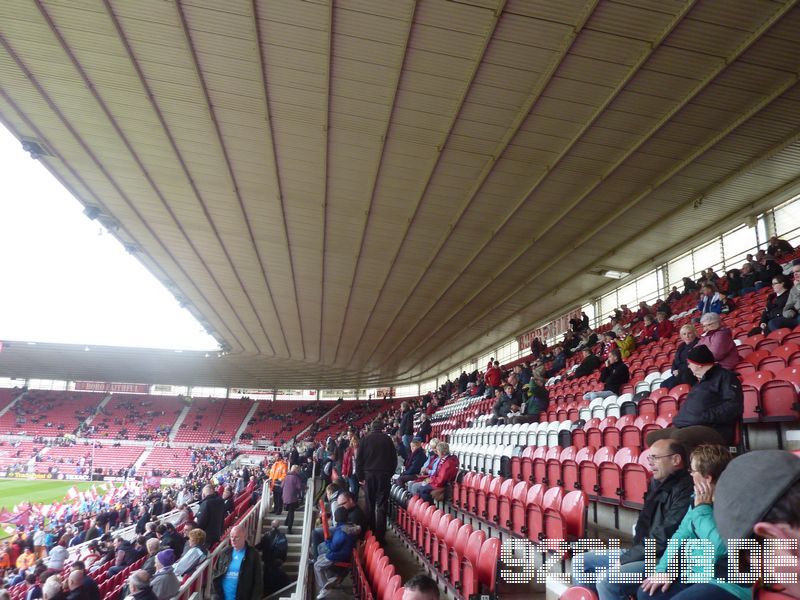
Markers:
(202, 580)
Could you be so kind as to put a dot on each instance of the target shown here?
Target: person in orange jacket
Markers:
(277, 473)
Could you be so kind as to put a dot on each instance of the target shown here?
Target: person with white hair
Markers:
(719, 340)
(51, 590)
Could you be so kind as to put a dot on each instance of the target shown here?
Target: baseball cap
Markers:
(749, 487)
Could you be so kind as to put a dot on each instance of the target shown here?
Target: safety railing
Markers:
(303, 574)
(202, 580)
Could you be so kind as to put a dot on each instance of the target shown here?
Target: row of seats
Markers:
(373, 575)
(213, 418)
(465, 560)
(49, 413)
(518, 508)
(607, 474)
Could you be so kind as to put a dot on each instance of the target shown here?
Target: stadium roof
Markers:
(370, 191)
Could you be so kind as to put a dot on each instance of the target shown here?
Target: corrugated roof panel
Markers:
(609, 48)
(567, 12)
(739, 14)
(451, 16)
(628, 21)
(522, 30)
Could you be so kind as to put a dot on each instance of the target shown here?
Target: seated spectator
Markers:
(707, 464)
(640, 314)
(194, 554)
(59, 554)
(609, 343)
(719, 340)
(681, 373)
(759, 495)
(769, 268)
(649, 332)
(153, 545)
(614, 375)
(626, 343)
(501, 406)
(709, 299)
(590, 363)
(734, 277)
(778, 247)
(726, 303)
(164, 583)
(536, 398)
(749, 278)
(50, 590)
(420, 587)
(413, 464)
(791, 310)
(664, 326)
(446, 472)
(559, 361)
(139, 586)
(712, 408)
(776, 301)
(124, 555)
(689, 286)
(340, 547)
(674, 295)
(668, 498)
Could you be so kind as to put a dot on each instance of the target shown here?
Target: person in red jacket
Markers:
(664, 326)
(493, 379)
(445, 472)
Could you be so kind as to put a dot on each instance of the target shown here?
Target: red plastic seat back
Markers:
(552, 498)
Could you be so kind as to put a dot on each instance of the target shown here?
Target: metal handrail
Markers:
(202, 580)
(305, 543)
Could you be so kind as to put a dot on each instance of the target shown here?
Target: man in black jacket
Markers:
(614, 375)
(211, 515)
(376, 461)
(590, 363)
(237, 574)
(666, 503)
(712, 408)
(406, 430)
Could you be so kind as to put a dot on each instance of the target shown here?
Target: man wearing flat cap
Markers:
(712, 408)
(759, 494)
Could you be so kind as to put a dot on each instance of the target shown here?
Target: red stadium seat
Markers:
(779, 401)
(579, 593)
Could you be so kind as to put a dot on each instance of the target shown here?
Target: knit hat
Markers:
(166, 557)
(701, 355)
(749, 487)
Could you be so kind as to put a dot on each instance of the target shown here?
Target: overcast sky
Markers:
(66, 280)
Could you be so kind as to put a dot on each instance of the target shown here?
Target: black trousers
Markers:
(277, 498)
(290, 508)
(377, 485)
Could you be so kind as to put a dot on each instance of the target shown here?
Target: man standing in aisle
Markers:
(376, 462)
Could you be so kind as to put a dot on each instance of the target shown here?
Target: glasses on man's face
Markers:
(653, 458)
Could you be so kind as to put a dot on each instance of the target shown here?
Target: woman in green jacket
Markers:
(670, 580)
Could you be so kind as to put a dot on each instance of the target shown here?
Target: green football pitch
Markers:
(14, 491)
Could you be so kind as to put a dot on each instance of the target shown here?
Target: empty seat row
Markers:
(529, 511)
(607, 474)
(464, 559)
